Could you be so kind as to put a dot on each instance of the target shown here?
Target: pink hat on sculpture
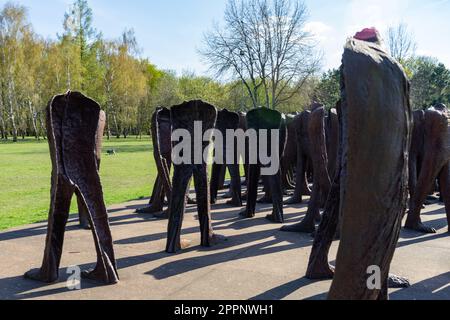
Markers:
(367, 34)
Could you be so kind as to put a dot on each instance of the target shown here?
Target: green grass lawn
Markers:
(25, 169)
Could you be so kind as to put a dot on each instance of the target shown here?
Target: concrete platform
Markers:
(257, 261)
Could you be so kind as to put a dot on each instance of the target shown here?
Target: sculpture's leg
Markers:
(157, 200)
(246, 161)
(61, 194)
(156, 185)
(286, 173)
(215, 181)
(412, 179)
(208, 238)
(252, 191)
(444, 182)
(236, 188)
(166, 191)
(182, 175)
(371, 223)
(291, 179)
(277, 198)
(82, 213)
(384, 292)
(318, 266)
(308, 223)
(306, 189)
(300, 181)
(246, 173)
(223, 173)
(229, 193)
(267, 198)
(424, 185)
(106, 269)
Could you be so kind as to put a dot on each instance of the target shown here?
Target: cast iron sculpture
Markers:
(374, 176)
(301, 123)
(243, 126)
(332, 139)
(323, 136)
(183, 117)
(227, 120)
(162, 151)
(72, 124)
(433, 137)
(266, 119)
(289, 160)
(318, 265)
(82, 210)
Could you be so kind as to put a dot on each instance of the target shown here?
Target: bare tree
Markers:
(402, 45)
(263, 43)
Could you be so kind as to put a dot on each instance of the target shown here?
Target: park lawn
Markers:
(25, 170)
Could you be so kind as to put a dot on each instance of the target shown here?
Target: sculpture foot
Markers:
(420, 227)
(85, 226)
(99, 275)
(149, 210)
(215, 240)
(396, 282)
(300, 228)
(162, 215)
(245, 215)
(184, 244)
(36, 275)
(191, 201)
(293, 200)
(274, 218)
(321, 272)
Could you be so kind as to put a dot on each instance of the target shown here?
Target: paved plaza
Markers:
(256, 262)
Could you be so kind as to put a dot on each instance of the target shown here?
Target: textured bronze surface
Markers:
(376, 133)
(82, 210)
(227, 120)
(323, 136)
(430, 161)
(183, 117)
(162, 152)
(289, 159)
(72, 125)
(264, 118)
(301, 123)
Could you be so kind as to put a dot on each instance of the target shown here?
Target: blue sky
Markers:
(170, 31)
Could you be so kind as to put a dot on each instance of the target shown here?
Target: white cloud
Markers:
(320, 30)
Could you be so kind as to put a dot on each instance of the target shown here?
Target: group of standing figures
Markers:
(362, 157)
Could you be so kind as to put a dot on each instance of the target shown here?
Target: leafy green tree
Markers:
(328, 90)
(430, 82)
(78, 30)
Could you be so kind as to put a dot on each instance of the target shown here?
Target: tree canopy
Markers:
(263, 56)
